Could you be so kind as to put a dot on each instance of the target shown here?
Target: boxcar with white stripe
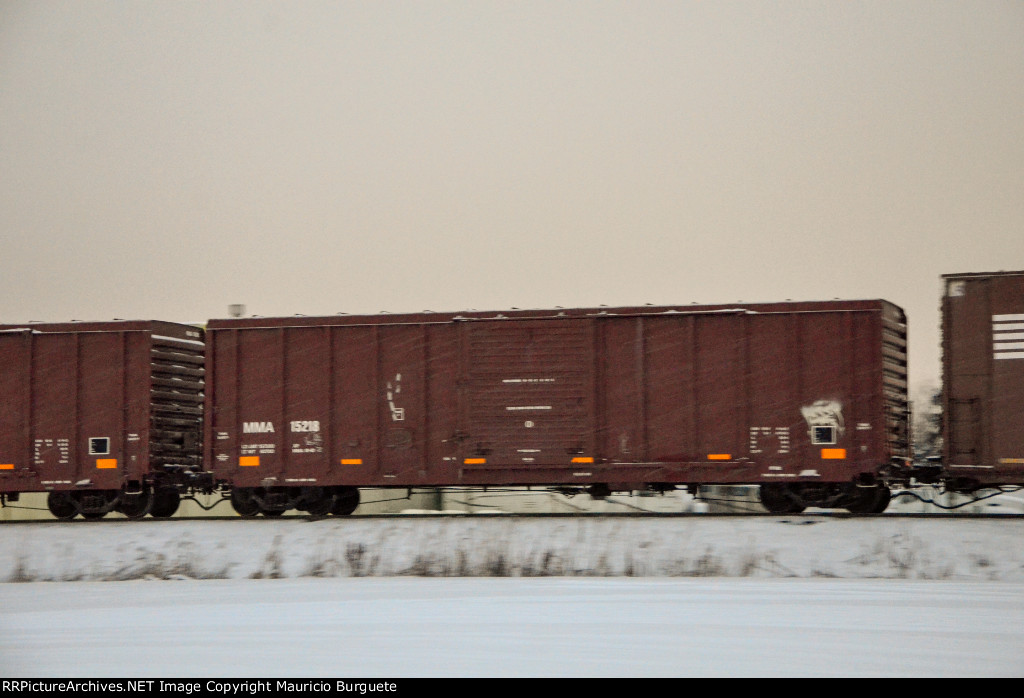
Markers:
(983, 379)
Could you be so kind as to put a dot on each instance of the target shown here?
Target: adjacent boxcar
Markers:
(104, 416)
(806, 399)
(983, 379)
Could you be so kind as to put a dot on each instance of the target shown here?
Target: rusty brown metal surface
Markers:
(983, 377)
(747, 393)
(97, 405)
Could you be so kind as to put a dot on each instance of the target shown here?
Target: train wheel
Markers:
(95, 504)
(137, 504)
(882, 500)
(869, 500)
(317, 501)
(346, 500)
(779, 499)
(272, 513)
(862, 499)
(62, 505)
(243, 502)
(165, 502)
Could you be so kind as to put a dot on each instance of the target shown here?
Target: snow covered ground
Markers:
(495, 546)
(467, 627)
(498, 596)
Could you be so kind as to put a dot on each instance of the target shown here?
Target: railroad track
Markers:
(802, 517)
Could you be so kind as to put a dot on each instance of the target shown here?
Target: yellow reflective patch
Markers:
(106, 463)
(249, 460)
(833, 453)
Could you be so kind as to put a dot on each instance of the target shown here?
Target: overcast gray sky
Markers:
(165, 159)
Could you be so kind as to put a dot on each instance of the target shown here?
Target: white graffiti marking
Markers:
(397, 413)
(824, 413)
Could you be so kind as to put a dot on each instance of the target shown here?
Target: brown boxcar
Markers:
(806, 399)
(104, 416)
(983, 379)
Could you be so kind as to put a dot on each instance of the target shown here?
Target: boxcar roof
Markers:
(428, 317)
(982, 274)
(100, 326)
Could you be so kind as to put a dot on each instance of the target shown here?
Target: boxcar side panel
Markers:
(825, 399)
(983, 377)
(967, 322)
(259, 418)
(1007, 425)
(306, 405)
(441, 399)
(625, 397)
(530, 397)
(669, 388)
(401, 403)
(354, 376)
(775, 423)
(17, 467)
(220, 430)
(623, 367)
(136, 438)
(101, 390)
(765, 396)
(80, 404)
(720, 378)
(868, 420)
(56, 430)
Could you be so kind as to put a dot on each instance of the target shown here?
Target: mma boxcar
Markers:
(983, 379)
(104, 416)
(807, 400)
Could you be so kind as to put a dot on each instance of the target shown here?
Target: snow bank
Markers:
(797, 546)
